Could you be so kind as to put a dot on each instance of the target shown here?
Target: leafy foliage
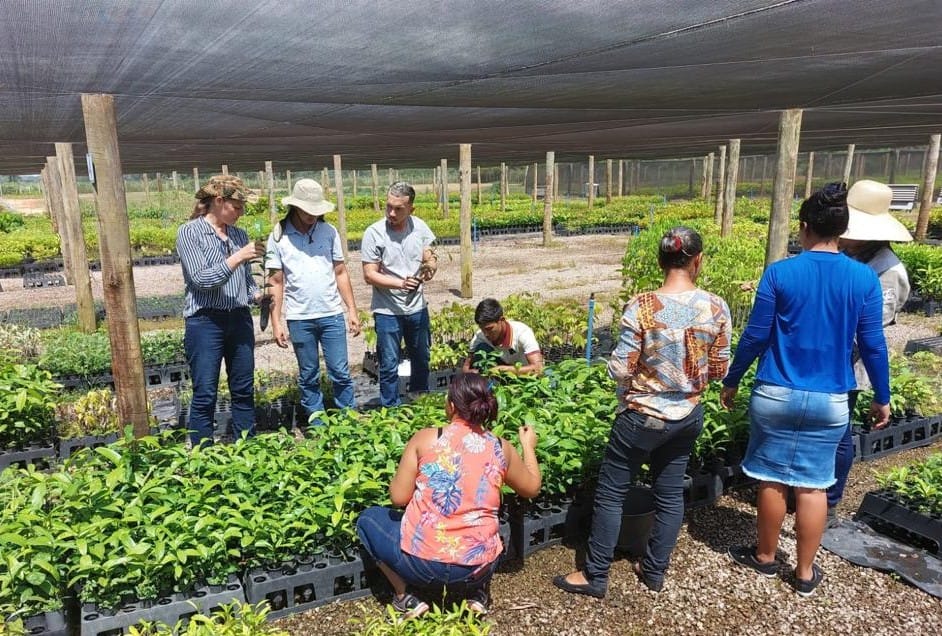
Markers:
(67, 352)
(233, 619)
(27, 405)
(94, 413)
(457, 621)
(919, 484)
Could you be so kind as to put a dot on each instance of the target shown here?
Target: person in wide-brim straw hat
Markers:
(870, 230)
(310, 288)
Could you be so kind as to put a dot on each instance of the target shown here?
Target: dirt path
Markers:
(573, 267)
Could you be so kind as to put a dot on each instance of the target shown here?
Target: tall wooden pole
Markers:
(353, 177)
(809, 178)
(765, 165)
(928, 186)
(548, 198)
(503, 187)
(621, 177)
(783, 184)
(325, 182)
(270, 184)
(480, 189)
(444, 176)
(555, 182)
(608, 181)
(72, 218)
(196, 179)
(464, 184)
(374, 173)
(720, 188)
(704, 176)
(591, 186)
(341, 211)
(288, 181)
(729, 191)
(55, 210)
(708, 185)
(225, 168)
(116, 273)
(848, 164)
(390, 176)
(536, 181)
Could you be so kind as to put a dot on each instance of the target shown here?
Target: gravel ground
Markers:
(704, 593)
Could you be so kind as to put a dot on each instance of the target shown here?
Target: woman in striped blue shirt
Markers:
(216, 255)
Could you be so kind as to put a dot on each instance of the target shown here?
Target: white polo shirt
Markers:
(308, 265)
(517, 344)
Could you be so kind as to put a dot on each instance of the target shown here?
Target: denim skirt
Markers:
(794, 435)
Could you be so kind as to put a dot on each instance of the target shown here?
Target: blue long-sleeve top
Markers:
(807, 312)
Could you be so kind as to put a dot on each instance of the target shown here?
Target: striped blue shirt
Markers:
(210, 284)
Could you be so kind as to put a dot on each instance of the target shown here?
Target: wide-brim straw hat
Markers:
(308, 195)
(870, 218)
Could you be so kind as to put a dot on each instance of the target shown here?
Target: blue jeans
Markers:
(330, 332)
(845, 456)
(666, 445)
(390, 331)
(380, 532)
(211, 336)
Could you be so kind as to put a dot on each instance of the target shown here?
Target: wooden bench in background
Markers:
(904, 196)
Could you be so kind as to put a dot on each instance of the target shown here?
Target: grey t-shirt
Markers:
(399, 254)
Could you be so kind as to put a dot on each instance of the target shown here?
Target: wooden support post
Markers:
(55, 210)
(720, 188)
(480, 189)
(690, 176)
(196, 179)
(443, 173)
(503, 187)
(288, 181)
(621, 177)
(704, 176)
(848, 164)
(708, 184)
(555, 182)
(590, 188)
(325, 182)
(783, 184)
(146, 183)
(341, 211)
(608, 182)
(270, 186)
(464, 185)
(117, 277)
(174, 181)
(548, 198)
(437, 187)
(390, 176)
(928, 187)
(44, 179)
(225, 168)
(72, 219)
(894, 166)
(886, 165)
(353, 177)
(159, 182)
(729, 191)
(809, 178)
(765, 168)
(536, 181)
(374, 173)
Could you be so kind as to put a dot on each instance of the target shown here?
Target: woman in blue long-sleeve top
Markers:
(807, 313)
(215, 256)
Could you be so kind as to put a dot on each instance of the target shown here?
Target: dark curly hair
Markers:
(825, 211)
(473, 399)
(678, 247)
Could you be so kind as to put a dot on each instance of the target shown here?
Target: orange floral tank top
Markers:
(452, 517)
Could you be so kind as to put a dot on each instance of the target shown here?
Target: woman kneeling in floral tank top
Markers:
(449, 481)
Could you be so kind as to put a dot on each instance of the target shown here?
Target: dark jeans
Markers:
(666, 446)
(845, 456)
(390, 331)
(210, 337)
(330, 333)
(380, 532)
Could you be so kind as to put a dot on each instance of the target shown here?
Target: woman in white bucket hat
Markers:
(870, 230)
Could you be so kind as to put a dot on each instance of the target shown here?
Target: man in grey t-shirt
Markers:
(397, 258)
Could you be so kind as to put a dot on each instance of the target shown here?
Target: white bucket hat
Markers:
(870, 218)
(309, 196)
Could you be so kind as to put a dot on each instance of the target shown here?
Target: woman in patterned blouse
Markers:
(449, 481)
(674, 341)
